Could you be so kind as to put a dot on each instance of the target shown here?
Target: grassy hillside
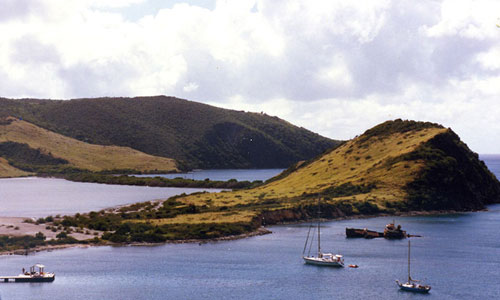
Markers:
(198, 135)
(31, 148)
(394, 167)
(7, 170)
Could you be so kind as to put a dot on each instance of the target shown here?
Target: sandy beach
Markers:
(16, 226)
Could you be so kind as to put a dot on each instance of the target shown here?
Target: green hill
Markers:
(32, 149)
(397, 166)
(195, 134)
(393, 167)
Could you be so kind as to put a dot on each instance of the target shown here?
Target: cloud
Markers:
(18, 9)
(190, 87)
(335, 67)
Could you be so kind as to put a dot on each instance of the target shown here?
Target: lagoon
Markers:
(39, 197)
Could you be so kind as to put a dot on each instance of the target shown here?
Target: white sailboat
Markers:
(412, 285)
(322, 259)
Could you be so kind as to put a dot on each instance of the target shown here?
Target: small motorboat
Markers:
(35, 274)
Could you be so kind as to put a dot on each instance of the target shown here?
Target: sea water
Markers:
(223, 175)
(458, 255)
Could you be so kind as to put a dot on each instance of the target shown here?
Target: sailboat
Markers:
(323, 259)
(412, 285)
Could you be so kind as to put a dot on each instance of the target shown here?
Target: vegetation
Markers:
(385, 171)
(158, 181)
(194, 134)
(60, 154)
(6, 170)
(145, 222)
(26, 242)
(407, 166)
(453, 177)
(28, 159)
(347, 189)
(143, 232)
(397, 126)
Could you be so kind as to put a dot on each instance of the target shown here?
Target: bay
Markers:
(458, 254)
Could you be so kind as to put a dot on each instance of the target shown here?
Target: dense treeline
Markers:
(195, 134)
(23, 154)
(10, 243)
(23, 157)
(453, 177)
(160, 181)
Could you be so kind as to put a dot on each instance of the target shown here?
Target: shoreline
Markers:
(260, 231)
(49, 248)
(397, 214)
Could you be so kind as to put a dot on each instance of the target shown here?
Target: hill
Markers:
(398, 166)
(196, 135)
(6, 170)
(29, 148)
(395, 166)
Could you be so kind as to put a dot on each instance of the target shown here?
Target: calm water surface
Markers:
(223, 175)
(493, 163)
(40, 197)
(459, 255)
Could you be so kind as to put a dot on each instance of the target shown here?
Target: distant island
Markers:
(397, 167)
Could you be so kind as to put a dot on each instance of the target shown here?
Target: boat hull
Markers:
(414, 289)
(395, 234)
(321, 262)
(362, 233)
(35, 279)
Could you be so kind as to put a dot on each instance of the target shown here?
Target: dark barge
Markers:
(391, 231)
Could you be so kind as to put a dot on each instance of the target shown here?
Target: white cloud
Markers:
(190, 87)
(111, 3)
(490, 59)
(469, 19)
(336, 74)
(336, 67)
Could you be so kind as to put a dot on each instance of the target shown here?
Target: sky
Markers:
(334, 67)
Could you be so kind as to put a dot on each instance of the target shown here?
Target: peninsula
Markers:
(396, 167)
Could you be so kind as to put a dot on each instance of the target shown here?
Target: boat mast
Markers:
(409, 277)
(319, 223)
